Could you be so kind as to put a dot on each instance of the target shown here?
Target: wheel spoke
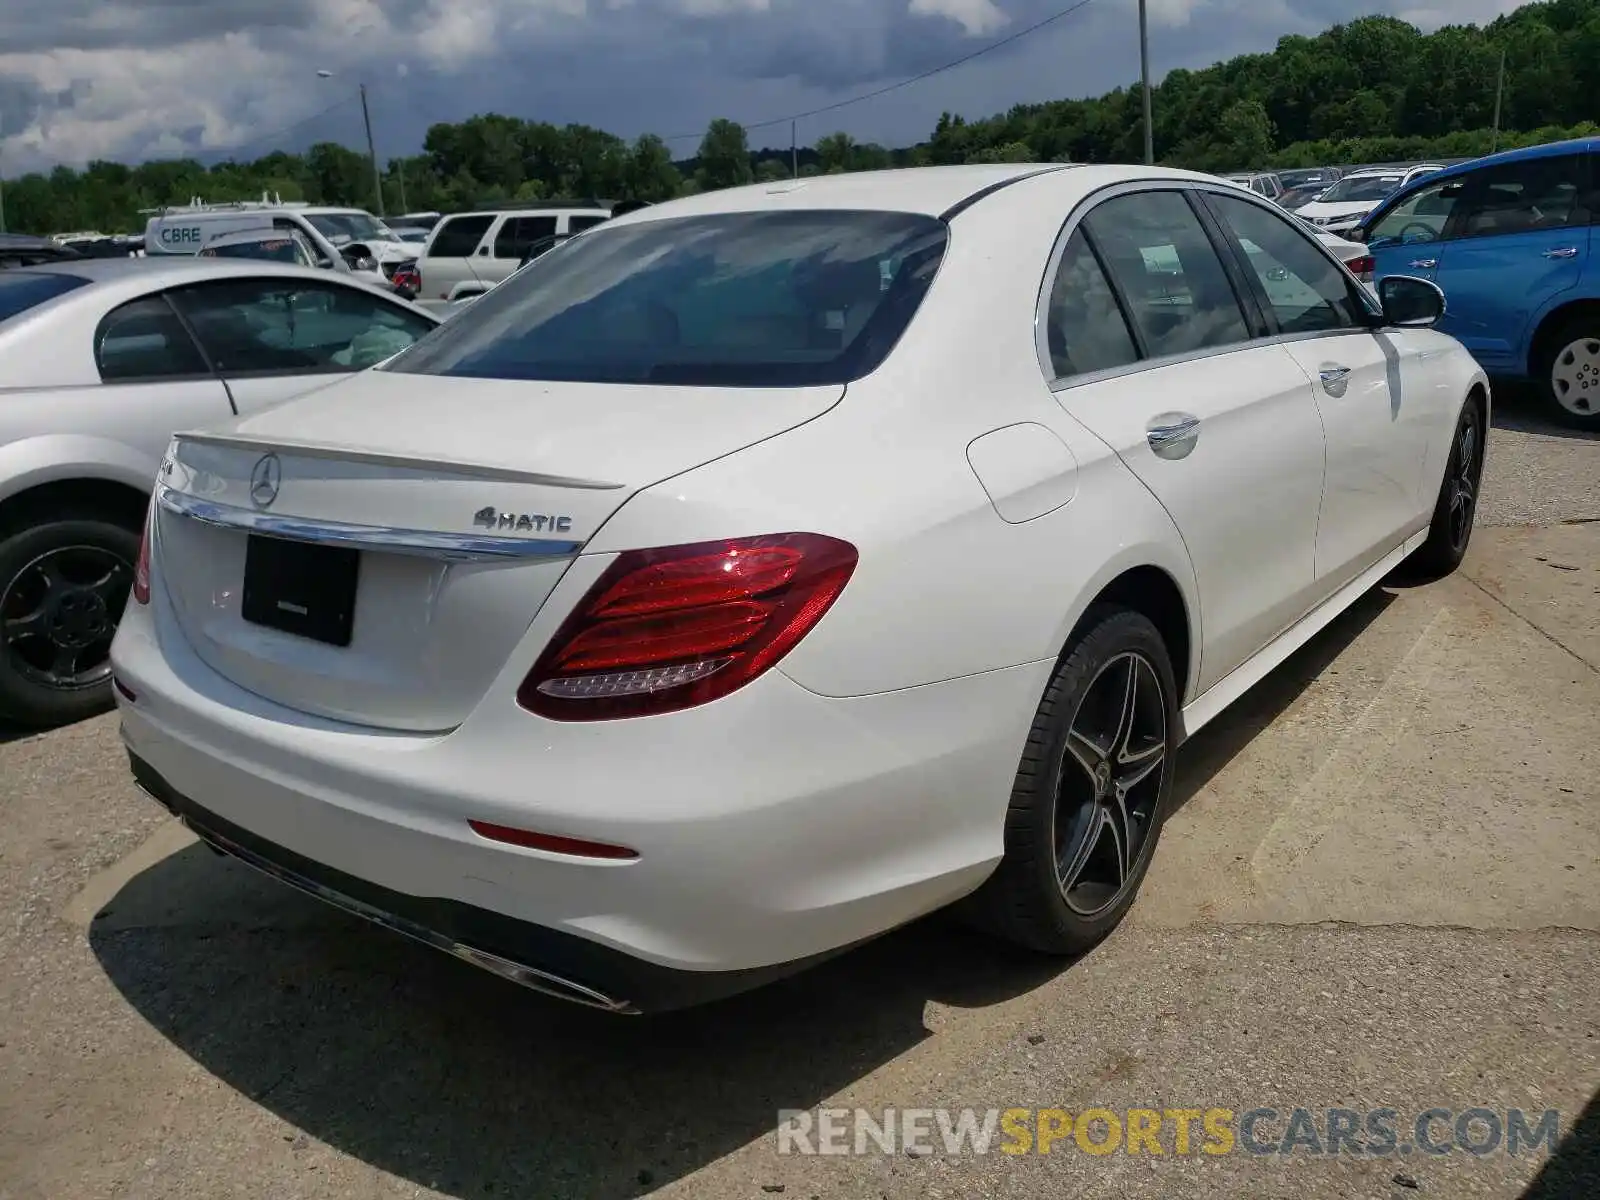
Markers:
(48, 572)
(1142, 768)
(109, 586)
(65, 663)
(1086, 752)
(28, 625)
(1068, 869)
(1128, 710)
(1121, 830)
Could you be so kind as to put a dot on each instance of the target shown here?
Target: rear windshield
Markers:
(22, 290)
(1361, 187)
(769, 299)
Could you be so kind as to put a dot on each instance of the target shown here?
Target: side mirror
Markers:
(1410, 303)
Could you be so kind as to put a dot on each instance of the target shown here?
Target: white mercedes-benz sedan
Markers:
(768, 568)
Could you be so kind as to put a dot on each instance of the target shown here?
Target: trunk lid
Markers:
(457, 504)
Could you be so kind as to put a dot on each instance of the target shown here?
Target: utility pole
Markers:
(372, 153)
(1499, 95)
(2, 199)
(401, 175)
(1144, 69)
(794, 154)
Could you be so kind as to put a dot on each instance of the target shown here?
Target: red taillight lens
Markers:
(1362, 268)
(141, 566)
(671, 628)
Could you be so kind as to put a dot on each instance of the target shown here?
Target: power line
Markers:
(893, 87)
(218, 153)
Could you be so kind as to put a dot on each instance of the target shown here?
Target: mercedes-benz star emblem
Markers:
(264, 480)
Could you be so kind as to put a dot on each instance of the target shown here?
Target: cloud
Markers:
(131, 79)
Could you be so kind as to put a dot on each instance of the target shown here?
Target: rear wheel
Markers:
(63, 586)
(1569, 375)
(1090, 793)
(1456, 509)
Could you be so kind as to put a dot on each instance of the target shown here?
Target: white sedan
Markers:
(777, 565)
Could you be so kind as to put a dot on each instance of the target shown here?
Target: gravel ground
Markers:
(1538, 472)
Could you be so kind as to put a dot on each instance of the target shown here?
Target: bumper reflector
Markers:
(576, 847)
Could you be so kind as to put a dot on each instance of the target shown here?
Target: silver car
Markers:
(101, 361)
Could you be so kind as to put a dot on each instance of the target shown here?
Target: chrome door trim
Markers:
(421, 543)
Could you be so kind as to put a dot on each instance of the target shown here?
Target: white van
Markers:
(348, 235)
(468, 253)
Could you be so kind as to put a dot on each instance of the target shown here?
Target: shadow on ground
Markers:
(1573, 1171)
(425, 1068)
(1518, 408)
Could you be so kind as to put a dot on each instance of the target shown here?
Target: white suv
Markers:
(468, 253)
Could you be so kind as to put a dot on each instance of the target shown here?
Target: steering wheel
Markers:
(1429, 233)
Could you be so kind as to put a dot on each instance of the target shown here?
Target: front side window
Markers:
(22, 290)
(1084, 326)
(1304, 290)
(458, 237)
(144, 339)
(579, 224)
(762, 299)
(287, 325)
(1532, 195)
(1161, 259)
(1420, 217)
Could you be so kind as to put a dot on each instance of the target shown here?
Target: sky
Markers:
(139, 79)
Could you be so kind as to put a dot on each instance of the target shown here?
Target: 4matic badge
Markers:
(493, 518)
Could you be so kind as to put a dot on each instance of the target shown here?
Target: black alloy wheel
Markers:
(1110, 783)
(63, 588)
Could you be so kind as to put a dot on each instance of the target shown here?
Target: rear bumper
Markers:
(773, 826)
(545, 960)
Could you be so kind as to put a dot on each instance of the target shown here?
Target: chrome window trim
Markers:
(1075, 219)
(423, 543)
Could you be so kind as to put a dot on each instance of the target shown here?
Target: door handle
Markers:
(1425, 264)
(1562, 252)
(1335, 380)
(1173, 435)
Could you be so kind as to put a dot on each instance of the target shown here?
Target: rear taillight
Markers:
(141, 566)
(1363, 267)
(670, 628)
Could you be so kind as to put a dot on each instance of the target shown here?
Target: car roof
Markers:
(929, 190)
(178, 268)
(1584, 145)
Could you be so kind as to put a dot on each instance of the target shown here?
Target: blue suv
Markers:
(1508, 240)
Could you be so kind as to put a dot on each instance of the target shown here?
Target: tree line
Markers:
(1371, 90)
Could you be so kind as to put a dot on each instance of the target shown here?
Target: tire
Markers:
(1456, 509)
(1567, 374)
(1059, 802)
(63, 586)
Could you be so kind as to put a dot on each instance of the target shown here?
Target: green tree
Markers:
(834, 152)
(648, 173)
(724, 156)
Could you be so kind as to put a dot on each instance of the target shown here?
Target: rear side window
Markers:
(1168, 271)
(766, 299)
(22, 290)
(458, 237)
(145, 340)
(1084, 326)
(1526, 196)
(517, 234)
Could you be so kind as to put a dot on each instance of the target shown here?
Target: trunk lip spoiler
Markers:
(424, 543)
(355, 454)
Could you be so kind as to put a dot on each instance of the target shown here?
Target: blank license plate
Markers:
(301, 588)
